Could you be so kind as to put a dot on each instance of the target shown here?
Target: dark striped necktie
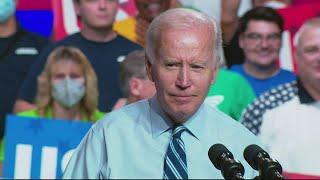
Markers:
(175, 165)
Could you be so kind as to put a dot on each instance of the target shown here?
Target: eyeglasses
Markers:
(257, 38)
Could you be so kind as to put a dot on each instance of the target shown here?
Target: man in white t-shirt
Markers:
(291, 130)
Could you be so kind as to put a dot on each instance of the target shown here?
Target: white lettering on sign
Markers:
(22, 168)
(48, 162)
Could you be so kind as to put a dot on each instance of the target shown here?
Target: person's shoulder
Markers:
(273, 97)
(126, 116)
(281, 115)
(126, 42)
(282, 92)
(287, 73)
(230, 81)
(286, 107)
(237, 68)
(252, 115)
(98, 115)
(226, 126)
(130, 112)
(72, 38)
(220, 117)
(230, 75)
(35, 37)
(29, 113)
(223, 71)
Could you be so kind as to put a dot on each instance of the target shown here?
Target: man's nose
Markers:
(102, 4)
(183, 80)
(264, 42)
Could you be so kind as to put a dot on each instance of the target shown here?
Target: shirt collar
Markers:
(304, 96)
(160, 122)
(195, 123)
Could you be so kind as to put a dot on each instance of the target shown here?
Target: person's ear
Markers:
(148, 68)
(214, 74)
(135, 86)
(241, 41)
(297, 57)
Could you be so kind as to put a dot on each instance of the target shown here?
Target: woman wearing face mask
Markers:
(67, 88)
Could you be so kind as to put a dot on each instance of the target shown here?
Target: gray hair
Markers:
(132, 66)
(311, 23)
(186, 19)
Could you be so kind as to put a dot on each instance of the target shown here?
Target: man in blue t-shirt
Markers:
(102, 46)
(260, 38)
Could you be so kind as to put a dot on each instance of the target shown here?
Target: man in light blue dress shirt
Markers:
(182, 57)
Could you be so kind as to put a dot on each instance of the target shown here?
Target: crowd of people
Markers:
(168, 76)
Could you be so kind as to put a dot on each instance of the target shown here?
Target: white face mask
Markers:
(7, 8)
(68, 92)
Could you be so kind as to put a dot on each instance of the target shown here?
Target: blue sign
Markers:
(40, 148)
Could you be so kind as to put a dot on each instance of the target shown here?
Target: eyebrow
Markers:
(311, 46)
(273, 33)
(204, 63)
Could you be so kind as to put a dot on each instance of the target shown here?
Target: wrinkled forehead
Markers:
(181, 25)
(184, 44)
(180, 37)
(152, 1)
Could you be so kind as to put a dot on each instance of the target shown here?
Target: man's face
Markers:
(97, 14)
(261, 43)
(149, 9)
(308, 55)
(183, 69)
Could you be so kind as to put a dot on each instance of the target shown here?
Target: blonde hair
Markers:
(89, 102)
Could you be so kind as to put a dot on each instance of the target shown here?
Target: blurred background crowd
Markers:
(79, 59)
